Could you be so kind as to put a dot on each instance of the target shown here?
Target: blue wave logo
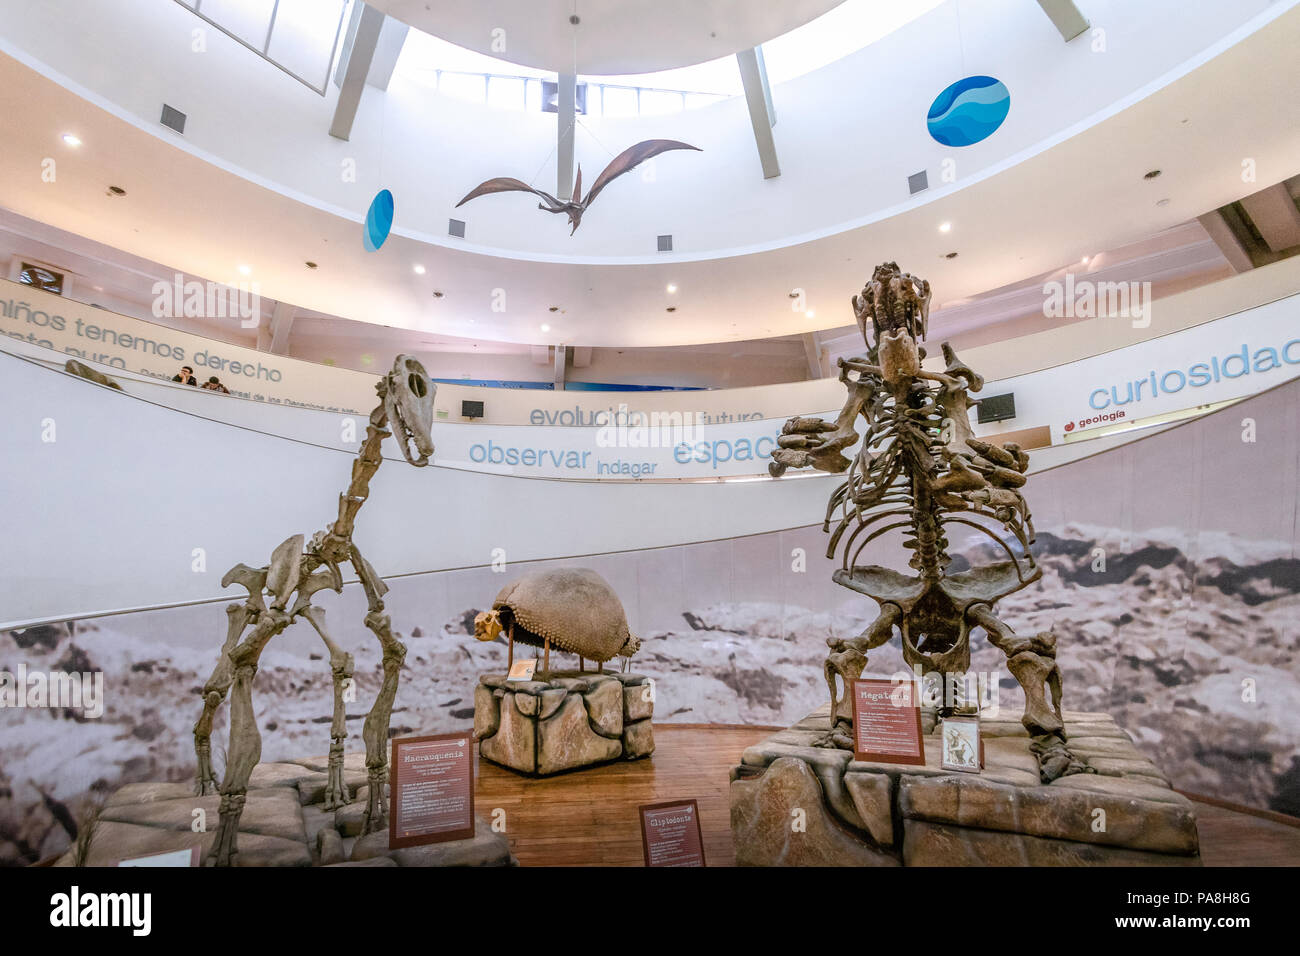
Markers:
(969, 111)
(379, 220)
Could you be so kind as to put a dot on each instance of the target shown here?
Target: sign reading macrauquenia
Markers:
(670, 834)
(887, 722)
(432, 790)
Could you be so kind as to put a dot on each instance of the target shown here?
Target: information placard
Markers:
(432, 790)
(188, 857)
(887, 722)
(670, 834)
(522, 670)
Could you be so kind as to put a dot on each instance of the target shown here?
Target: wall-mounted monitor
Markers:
(997, 408)
(471, 409)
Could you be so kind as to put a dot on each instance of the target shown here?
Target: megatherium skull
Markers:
(898, 306)
(408, 400)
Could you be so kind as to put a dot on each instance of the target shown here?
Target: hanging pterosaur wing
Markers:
(630, 158)
(504, 184)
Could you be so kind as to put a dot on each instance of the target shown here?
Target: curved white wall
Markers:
(108, 496)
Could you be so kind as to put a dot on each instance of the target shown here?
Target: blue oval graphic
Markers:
(379, 220)
(969, 111)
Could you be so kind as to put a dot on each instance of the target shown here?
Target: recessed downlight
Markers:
(672, 287)
(810, 314)
(245, 270)
(945, 227)
(545, 327)
(418, 269)
(71, 139)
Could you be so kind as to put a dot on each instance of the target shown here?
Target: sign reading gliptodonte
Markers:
(432, 798)
(670, 834)
(887, 722)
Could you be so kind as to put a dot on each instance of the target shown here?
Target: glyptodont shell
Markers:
(574, 607)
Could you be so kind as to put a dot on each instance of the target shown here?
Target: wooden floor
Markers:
(589, 818)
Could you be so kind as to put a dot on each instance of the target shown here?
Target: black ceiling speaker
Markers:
(173, 118)
(997, 408)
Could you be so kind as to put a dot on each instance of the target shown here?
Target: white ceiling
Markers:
(612, 36)
(1085, 194)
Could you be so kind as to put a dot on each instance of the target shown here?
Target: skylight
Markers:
(465, 74)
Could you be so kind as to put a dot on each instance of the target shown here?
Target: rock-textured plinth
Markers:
(284, 823)
(563, 720)
(793, 804)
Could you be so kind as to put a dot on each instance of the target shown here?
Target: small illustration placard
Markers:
(432, 790)
(670, 834)
(522, 670)
(887, 722)
(963, 747)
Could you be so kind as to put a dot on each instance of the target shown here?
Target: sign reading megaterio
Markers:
(119, 342)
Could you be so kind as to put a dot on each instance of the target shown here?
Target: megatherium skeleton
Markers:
(920, 469)
(282, 591)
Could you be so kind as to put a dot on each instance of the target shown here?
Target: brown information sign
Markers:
(432, 790)
(670, 834)
(887, 722)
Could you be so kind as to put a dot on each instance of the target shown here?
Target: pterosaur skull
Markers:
(408, 400)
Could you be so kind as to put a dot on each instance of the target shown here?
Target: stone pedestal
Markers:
(877, 814)
(283, 824)
(564, 720)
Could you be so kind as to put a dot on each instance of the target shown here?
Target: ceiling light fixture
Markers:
(810, 314)
(419, 269)
(671, 288)
(545, 327)
(1152, 175)
(945, 227)
(245, 270)
(1085, 260)
(72, 139)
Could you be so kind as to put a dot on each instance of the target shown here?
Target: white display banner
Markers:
(120, 342)
(1224, 359)
(642, 445)
(1228, 358)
